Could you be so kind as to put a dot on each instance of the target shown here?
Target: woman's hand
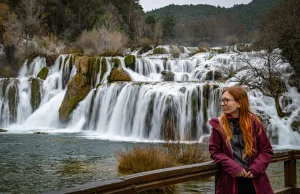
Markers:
(242, 173)
(249, 175)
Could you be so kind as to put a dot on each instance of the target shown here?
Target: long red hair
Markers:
(245, 114)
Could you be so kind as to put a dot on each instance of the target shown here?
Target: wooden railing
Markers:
(168, 176)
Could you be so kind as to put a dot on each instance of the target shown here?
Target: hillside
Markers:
(248, 14)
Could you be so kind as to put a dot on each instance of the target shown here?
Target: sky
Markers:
(148, 5)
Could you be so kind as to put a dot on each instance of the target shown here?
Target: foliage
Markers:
(280, 29)
(205, 23)
(102, 40)
(168, 25)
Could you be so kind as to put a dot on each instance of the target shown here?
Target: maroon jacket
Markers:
(223, 155)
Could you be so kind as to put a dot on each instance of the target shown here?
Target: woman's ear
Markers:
(239, 104)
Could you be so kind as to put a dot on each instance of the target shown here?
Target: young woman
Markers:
(240, 145)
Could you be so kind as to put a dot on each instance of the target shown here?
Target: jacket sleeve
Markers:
(265, 153)
(228, 165)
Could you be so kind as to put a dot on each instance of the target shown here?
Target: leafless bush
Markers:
(100, 41)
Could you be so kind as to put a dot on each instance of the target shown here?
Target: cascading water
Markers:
(144, 110)
(16, 98)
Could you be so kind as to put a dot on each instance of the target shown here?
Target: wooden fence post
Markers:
(290, 178)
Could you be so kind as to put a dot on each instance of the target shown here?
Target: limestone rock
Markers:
(295, 125)
(294, 81)
(130, 61)
(3, 130)
(77, 89)
(213, 75)
(40, 133)
(82, 64)
(118, 74)
(35, 93)
(167, 75)
(43, 73)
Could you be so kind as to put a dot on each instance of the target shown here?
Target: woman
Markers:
(240, 145)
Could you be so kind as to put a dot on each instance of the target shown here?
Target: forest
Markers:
(107, 27)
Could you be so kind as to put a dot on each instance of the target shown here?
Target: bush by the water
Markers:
(141, 159)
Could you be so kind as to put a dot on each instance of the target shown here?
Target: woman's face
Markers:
(230, 105)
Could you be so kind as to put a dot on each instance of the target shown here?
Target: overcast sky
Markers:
(148, 5)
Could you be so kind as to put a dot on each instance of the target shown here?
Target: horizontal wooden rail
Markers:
(168, 176)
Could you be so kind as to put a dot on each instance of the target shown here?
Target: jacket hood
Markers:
(214, 123)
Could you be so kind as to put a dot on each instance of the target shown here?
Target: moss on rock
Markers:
(118, 74)
(103, 68)
(13, 101)
(130, 61)
(82, 65)
(43, 73)
(95, 68)
(77, 88)
(159, 50)
(35, 94)
(117, 62)
(167, 76)
(213, 75)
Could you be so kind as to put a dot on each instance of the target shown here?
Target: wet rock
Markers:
(295, 125)
(35, 93)
(130, 62)
(167, 76)
(2, 130)
(117, 62)
(39, 133)
(77, 88)
(82, 64)
(103, 68)
(213, 75)
(13, 101)
(294, 81)
(43, 73)
(118, 74)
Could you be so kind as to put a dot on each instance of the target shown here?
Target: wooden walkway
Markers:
(168, 176)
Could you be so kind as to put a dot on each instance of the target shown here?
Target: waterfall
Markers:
(16, 94)
(146, 109)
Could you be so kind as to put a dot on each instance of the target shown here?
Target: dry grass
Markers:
(185, 154)
(141, 159)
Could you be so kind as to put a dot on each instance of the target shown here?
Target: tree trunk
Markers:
(280, 113)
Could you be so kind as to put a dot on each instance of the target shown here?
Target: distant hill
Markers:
(247, 14)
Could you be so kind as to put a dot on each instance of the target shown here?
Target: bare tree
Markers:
(265, 72)
(31, 17)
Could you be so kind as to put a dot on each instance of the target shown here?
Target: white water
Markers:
(136, 111)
